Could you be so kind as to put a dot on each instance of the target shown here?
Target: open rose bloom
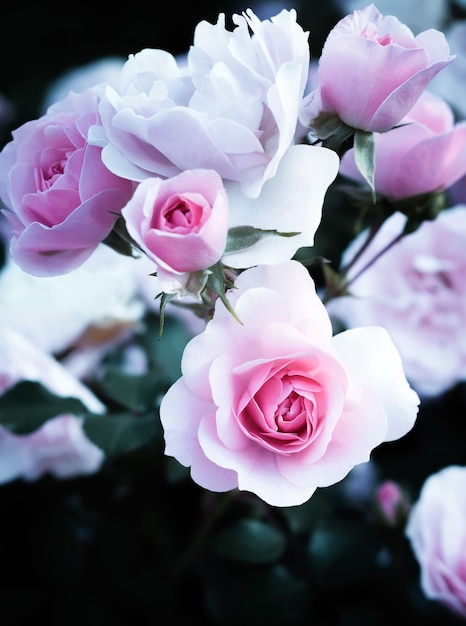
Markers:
(60, 198)
(233, 108)
(276, 405)
(437, 534)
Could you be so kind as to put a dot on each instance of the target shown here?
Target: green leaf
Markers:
(116, 434)
(242, 237)
(134, 392)
(27, 405)
(120, 240)
(364, 156)
(251, 541)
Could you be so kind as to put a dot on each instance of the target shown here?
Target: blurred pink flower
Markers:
(436, 530)
(416, 290)
(276, 405)
(392, 503)
(427, 153)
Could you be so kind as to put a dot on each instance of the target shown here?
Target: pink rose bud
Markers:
(180, 223)
(373, 69)
(392, 503)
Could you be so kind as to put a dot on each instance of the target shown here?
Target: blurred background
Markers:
(95, 550)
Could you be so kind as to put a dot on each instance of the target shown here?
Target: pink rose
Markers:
(277, 406)
(62, 200)
(426, 154)
(416, 290)
(59, 446)
(372, 69)
(436, 530)
(181, 223)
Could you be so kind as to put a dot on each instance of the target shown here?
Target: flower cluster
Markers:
(196, 189)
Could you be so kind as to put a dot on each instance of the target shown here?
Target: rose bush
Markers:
(181, 223)
(416, 291)
(59, 446)
(381, 70)
(61, 200)
(233, 107)
(277, 406)
(426, 153)
(437, 535)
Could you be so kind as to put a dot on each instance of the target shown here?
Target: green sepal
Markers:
(332, 132)
(364, 157)
(243, 237)
(217, 283)
(165, 298)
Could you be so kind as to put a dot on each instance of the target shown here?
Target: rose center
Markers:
(179, 217)
(52, 172)
(283, 415)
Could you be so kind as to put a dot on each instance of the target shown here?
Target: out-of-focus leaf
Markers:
(342, 551)
(28, 404)
(116, 434)
(134, 392)
(250, 540)
(259, 595)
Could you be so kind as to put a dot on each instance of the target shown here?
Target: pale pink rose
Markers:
(436, 530)
(59, 446)
(277, 406)
(372, 69)
(181, 223)
(233, 106)
(61, 200)
(416, 290)
(427, 153)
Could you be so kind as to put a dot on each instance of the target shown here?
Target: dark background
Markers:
(38, 42)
